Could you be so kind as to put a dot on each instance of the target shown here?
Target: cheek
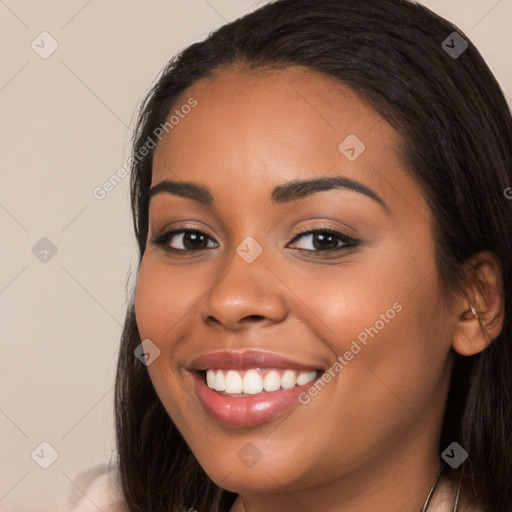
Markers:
(146, 303)
(400, 371)
(347, 300)
(164, 297)
(165, 302)
(385, 318)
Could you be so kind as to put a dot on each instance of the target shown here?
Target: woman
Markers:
(322, 314)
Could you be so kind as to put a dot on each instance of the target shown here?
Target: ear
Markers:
(475, 330)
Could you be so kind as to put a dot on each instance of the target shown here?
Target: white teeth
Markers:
(251, 382)
(210, 379)
(305, 377)
(288, 379)
(220, 382)
(272, 381)
(233, 382)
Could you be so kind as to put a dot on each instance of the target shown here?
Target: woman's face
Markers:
(253, 283)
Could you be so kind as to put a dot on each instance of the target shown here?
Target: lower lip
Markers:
(247, 410)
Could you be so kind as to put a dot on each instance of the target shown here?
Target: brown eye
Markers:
(326, 241)
(182, 240)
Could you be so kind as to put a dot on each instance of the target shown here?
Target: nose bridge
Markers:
(246, 290)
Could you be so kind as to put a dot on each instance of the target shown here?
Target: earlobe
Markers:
(481, 311)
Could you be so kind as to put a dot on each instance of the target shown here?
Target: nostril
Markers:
(252, 317)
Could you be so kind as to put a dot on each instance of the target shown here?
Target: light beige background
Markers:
(65, 129)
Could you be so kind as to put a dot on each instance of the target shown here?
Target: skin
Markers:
(368, 441)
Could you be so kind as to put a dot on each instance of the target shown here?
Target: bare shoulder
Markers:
(96, 488)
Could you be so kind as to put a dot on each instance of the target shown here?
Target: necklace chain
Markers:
(456, 503)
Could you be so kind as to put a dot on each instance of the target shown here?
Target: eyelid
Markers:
(347, 241)
(300, 231)
(323, 227)
(168, 233)
(163, 238)
(181, 227)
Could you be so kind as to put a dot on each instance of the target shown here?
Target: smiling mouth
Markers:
(254, 381)
(249, 388)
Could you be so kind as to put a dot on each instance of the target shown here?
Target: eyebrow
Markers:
(283, 193)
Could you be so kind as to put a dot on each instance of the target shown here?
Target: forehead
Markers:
(253, 129)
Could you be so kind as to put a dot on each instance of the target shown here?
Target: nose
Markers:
(245, 294)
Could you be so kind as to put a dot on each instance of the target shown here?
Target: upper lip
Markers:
(246, 360)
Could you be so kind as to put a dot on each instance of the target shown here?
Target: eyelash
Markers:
(163, 239)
